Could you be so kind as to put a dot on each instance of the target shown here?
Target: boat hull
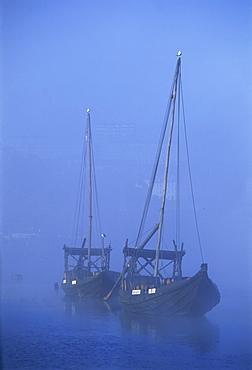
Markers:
(97, 285)
(191, 296)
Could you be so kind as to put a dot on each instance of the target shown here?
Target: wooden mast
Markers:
(167, 159)
(89, 190)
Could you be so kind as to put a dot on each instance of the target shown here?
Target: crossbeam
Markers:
(151, 254)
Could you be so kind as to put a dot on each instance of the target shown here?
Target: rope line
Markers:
(190, 179)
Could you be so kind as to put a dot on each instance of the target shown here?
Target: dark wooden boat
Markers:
(147, 286)
(87, 269)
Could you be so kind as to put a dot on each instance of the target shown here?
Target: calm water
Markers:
(41, 329)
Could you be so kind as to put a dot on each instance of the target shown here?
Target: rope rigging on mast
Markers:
(176, 98)
(137, 259)
(87, 199)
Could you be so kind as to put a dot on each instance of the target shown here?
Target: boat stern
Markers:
(208, 295)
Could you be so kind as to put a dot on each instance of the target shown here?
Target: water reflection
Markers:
(84, 306)
(199, 334)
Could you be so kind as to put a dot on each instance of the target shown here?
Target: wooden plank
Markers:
(150, 253)
(75, 251)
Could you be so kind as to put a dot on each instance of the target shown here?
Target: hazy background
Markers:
(117, 58)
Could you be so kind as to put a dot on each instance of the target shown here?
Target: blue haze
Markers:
(117, 58)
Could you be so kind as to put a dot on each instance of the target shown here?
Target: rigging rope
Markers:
(178, 166)
(80, 203)
(154, 171)
(156, 163)
(80, 198)
(96, 203)
(190, 178)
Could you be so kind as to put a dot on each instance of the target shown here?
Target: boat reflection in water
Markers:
(192, 332)
(196, 332)
(89, 306)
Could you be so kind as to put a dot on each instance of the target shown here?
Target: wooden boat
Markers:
(16, 276)
(158, 291)
(87, 269)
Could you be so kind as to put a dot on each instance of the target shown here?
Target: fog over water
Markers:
(117, 58)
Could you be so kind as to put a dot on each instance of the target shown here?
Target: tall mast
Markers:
(167, 160)
(89, 189)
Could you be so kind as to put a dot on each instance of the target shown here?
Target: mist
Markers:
(59, 58)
